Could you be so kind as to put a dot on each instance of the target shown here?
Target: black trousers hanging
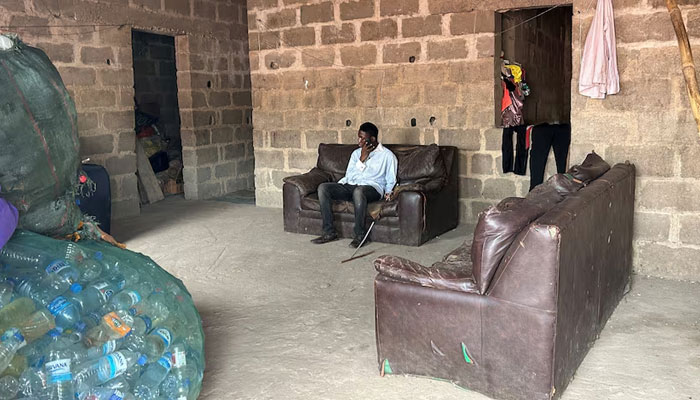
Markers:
(518, 165)
(544, 137)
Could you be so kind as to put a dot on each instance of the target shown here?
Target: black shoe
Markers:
(356, 242)
(325, 238)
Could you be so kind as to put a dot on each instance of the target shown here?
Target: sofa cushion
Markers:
(441, 275)
(591, 168)
(416, 162)
(334, 158)
(495, 231)
(311, 202)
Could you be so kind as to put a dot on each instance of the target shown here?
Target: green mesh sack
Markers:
(145, 300)
(39, 145)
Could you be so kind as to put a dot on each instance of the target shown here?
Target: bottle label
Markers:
(117, 366)
(117, 395)
(58, 371)
(179, 359)
(58, 304)
(146, 320)
(165, 362)
(13, 333)
(164, 334)
(56, 267)
(109, 347)
(105, 291)
(135, 297)
(116, 324)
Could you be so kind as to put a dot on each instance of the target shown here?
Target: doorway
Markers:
(157, 117)
(538, 40)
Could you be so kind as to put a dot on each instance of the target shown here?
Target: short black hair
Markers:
(370, 129)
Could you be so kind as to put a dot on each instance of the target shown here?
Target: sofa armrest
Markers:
(309, 182)
(439, 276)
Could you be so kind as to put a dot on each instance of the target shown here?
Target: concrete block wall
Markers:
(317, 64)
(96, 65)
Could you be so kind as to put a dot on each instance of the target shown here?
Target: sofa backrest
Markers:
(414, 161)
(570, 243)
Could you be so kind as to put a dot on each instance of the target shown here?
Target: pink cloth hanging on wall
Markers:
(599, 75)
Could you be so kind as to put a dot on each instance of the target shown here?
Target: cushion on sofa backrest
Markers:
(334, 158)
(497, 228)
(416, 162)
(591, 168)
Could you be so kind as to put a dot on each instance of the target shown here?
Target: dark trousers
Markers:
(359, 195)
(543, 138)
(519, 165)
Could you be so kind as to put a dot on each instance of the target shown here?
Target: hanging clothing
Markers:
(517, 165)
(543, 138)
(511, 105)
(599, 75)
(516, 71)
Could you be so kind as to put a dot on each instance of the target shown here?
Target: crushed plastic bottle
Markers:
(10, 341)
(111, 327)
(5, 294)
(36, 325)
(9, 387)
(59, 379)
(16, 311)
(176, 386)
(32, 383)
(147, 387)
(104, 369)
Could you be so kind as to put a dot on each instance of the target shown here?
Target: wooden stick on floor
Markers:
(687, 62)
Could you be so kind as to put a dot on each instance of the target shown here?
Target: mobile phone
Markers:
(368, 142)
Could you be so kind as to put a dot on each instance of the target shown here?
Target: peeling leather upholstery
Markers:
(549, 298)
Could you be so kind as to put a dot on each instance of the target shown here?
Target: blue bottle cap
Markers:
(54, 333)
(99, 256)
(80, 326)
(76, 288)
(142, 360)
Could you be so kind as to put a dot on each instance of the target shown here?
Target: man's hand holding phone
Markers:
(367, 148)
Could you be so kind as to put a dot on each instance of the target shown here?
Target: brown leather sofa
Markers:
(426, 205)
(519, 331)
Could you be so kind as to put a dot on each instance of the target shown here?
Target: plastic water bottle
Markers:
(59, 376)
(155, 343)
(147, 386)
(32, 383)
(96, 295)
(134, 373)
(19, 255)
(95, 352)
(111, 327)
(130, 297)
(5, 294)
(60, 275)
(176, 386)
(65, 313)
(10, 341)
(155, 307)
(36, 325)
(104, 369)
(106, 394)
(16, 311)
(9, 387)
(92, 268)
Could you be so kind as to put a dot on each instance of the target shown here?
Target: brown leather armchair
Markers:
(427, 203)
(519, 330)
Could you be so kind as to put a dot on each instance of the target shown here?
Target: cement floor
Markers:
(284, 319)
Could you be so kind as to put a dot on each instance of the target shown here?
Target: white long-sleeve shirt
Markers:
(378, 170)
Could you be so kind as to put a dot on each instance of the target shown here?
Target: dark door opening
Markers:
(539, 41)
(157, 111)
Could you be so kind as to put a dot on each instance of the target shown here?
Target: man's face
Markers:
(364, 136)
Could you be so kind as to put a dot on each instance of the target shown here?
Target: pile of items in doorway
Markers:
(159, 171)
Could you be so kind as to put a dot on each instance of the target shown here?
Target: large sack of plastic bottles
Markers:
(88, 320)
(83, 320)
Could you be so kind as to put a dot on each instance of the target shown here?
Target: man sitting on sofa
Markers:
(371, 174)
